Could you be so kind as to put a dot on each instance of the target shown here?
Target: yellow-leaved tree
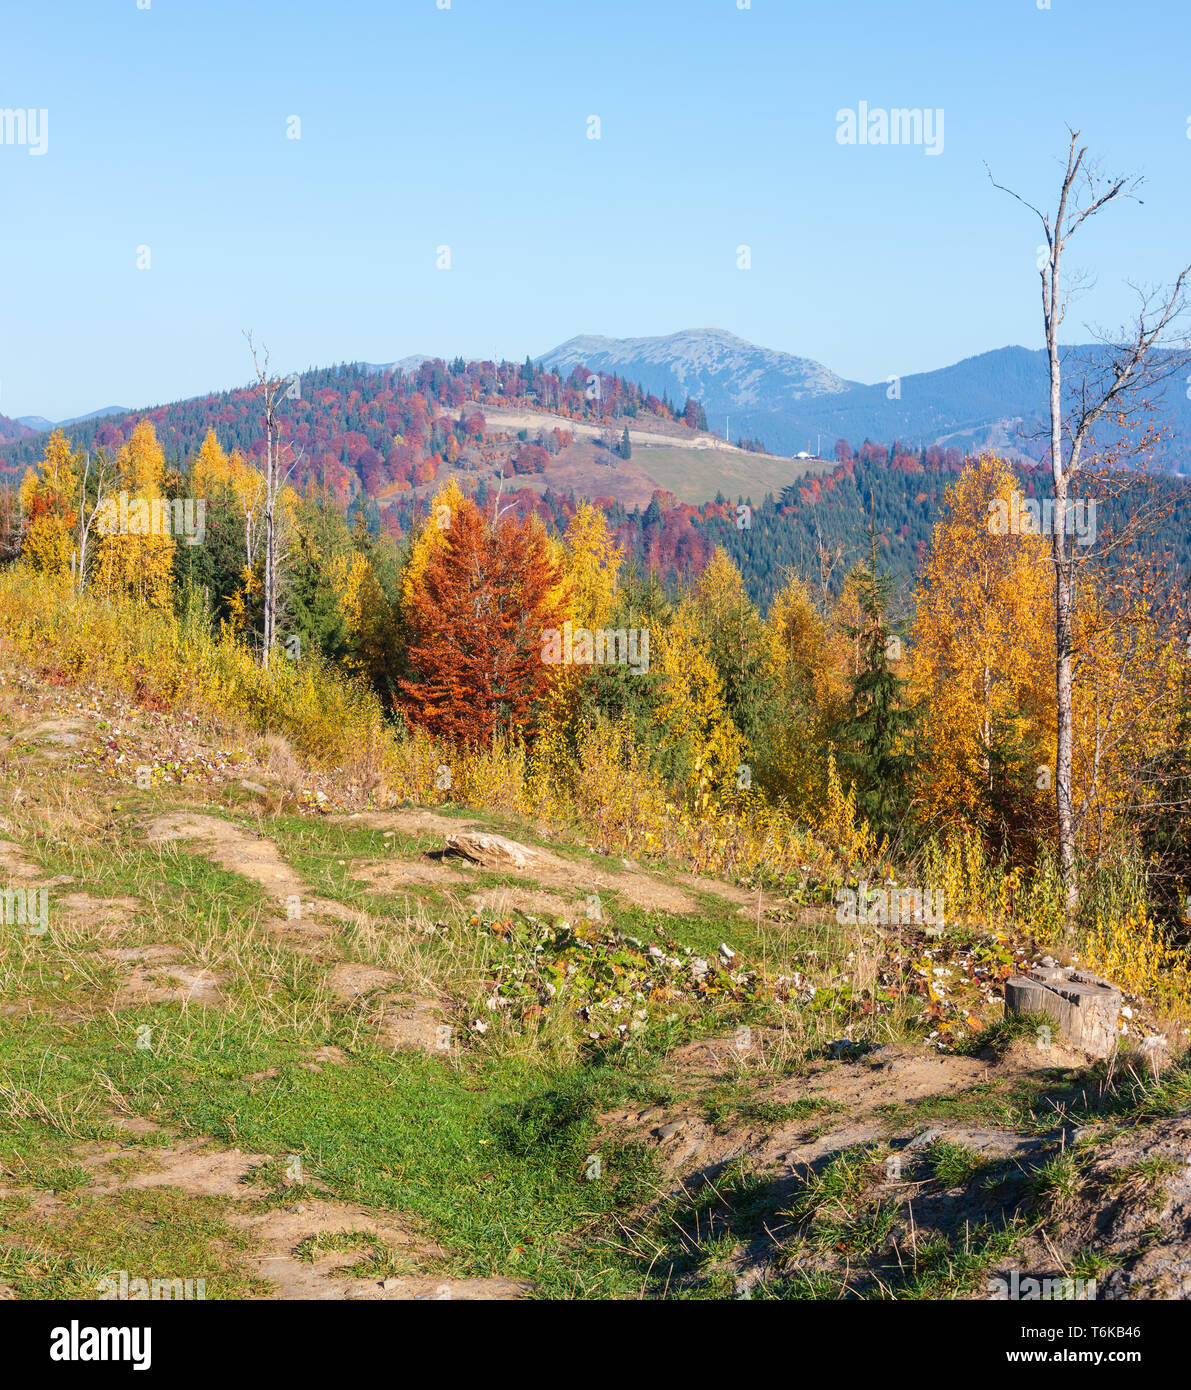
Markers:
(795, 767)
(433, 534)
(697, 735)
(215, 474)
(135, 550)
(370, 620)
(589, 564)
(982, 661)
(1130, 661)
(735, 633)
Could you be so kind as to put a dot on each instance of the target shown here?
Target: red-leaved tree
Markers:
(478, 614)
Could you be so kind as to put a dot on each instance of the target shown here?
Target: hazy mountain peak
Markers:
(728, 374)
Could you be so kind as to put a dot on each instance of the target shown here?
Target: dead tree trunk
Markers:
(273, 390)
(1116, 384)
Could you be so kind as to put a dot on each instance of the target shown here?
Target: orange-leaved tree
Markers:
(476, 616)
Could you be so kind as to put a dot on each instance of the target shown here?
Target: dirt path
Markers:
(252, 856)
(285, 1241)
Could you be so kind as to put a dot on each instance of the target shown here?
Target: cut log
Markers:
(1085, 1007)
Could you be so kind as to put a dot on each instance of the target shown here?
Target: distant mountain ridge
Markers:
(997, 399)
(38, 424)
(725, 373)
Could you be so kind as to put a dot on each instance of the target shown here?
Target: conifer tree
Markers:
(873, 735)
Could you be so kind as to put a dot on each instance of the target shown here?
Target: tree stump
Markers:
(1085, 1007)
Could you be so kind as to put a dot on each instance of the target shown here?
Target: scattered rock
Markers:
(493, 851)
(925, 1138)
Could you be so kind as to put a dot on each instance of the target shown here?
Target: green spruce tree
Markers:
(872, 738)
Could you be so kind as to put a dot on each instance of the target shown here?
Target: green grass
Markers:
(736, 1102)
(158, 1233)
(496, 1154)
(837, 1188)
(492, 1162)
(954, 1165)
(999, 1036)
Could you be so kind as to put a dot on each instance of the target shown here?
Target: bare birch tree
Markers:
(1114, 386)
(87, 514)
(273, 390)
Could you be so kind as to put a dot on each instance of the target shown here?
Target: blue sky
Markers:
(467, 127)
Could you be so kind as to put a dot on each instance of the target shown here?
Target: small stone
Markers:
(389, 1284)
(668, 1131)
(927, 1136)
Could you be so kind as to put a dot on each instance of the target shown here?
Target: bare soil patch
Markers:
(552, 871)
(253, 856)
(15, 865)
(410, 1021)
(407, 822)
(387, 875)
(103, 918)
(279, 1235)
(158, 976)
(1134, 1208)
(350, 981)
(191, 1165)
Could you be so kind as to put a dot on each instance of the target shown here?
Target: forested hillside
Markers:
(12, 429)
(353, 428)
